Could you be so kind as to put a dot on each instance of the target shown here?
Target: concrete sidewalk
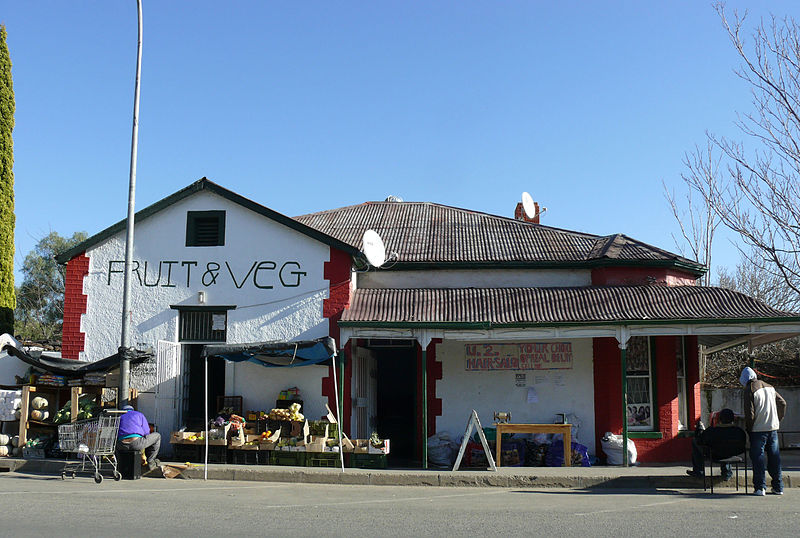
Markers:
(643, 476)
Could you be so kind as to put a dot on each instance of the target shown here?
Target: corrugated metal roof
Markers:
(555, 305)
(424, 232)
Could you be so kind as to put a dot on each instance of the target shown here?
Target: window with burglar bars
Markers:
(640, 386)
(203, 326)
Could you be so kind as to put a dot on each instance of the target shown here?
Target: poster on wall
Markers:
(524, 356)
(639, 416)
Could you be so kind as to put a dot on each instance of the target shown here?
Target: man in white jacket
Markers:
(763, 410)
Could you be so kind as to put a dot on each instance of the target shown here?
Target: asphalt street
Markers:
(45, 505)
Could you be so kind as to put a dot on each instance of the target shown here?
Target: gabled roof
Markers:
(425, 233)
(520, 307)
(197, 186)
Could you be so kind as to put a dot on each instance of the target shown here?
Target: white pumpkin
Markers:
(39, 403)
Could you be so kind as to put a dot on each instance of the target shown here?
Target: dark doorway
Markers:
(194, 397)
(397, 402)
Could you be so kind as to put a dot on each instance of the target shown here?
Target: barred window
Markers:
(640, 384)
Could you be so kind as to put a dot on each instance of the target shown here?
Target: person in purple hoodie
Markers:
(134, 435)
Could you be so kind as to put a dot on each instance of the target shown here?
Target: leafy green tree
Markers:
(6, 189)
(40, 297)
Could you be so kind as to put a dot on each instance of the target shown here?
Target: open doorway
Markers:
(194, 382)
(396, 373)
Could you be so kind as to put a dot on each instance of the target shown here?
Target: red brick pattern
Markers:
(638, 276)
(434, 370)
(74, 306)
(337, 273)
(608, 398)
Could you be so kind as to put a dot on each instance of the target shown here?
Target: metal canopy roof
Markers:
(717, 316)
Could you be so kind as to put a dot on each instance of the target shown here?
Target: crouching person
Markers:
(134, 435)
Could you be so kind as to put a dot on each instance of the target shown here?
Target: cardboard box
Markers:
(270, 442)
(360, 446)
(316, 444)
(182, 438)
(382, 450)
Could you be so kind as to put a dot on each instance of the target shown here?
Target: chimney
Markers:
(519, 213)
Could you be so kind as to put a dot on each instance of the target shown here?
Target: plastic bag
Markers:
(612, 446)
(555, 454)
(442, 450)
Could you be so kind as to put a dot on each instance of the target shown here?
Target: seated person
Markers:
(134, 435)
(723, 433)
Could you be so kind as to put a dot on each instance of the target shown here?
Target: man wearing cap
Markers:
(134, 435)
(763, 410)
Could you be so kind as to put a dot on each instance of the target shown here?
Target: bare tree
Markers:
(697, 219)
(779, 362)
(759, 196)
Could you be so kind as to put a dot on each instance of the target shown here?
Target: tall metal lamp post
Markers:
(124, 365)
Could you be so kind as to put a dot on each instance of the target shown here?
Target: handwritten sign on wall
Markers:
(524, 356)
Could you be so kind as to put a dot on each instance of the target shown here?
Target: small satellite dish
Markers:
(374, 249)
(528, 206)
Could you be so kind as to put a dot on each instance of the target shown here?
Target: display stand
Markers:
(60, 393)
(474, 423)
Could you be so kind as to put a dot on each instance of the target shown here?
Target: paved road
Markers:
(41, 506)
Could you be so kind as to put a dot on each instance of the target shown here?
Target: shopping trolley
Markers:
(94, 441)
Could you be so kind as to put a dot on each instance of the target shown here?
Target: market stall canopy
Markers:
(69, 367)
(276, 354)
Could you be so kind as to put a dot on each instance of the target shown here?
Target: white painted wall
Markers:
(260, 386)
(490, 391)
(478, 278)
(280, 313)
(732, 399)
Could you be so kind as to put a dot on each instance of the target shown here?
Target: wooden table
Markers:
(564, 429)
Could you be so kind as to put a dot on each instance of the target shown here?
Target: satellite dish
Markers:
(374, 249)
(528, 206)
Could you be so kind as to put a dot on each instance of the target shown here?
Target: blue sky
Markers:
(305, 106)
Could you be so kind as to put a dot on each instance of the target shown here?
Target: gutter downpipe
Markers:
(424, 406)
(125, 365)
(623, 335)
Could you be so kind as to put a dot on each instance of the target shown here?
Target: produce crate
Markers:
(243, 457)
(216, 453)
(367, 461)
(33, 453)
(322, 459)
(234, 402)
(287, 457)
(189, 453)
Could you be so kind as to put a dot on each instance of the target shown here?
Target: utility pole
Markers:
(125, 365)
